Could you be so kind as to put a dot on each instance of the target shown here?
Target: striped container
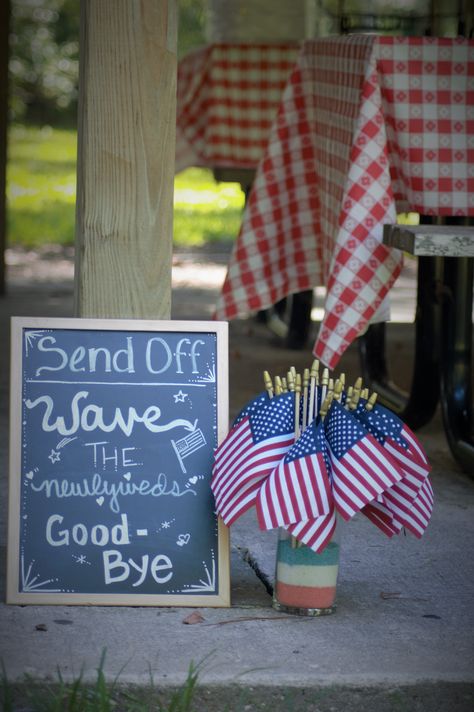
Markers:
(305, 582)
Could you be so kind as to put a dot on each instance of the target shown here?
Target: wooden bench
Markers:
(443, 335)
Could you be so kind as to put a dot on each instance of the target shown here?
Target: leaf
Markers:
(193, 618)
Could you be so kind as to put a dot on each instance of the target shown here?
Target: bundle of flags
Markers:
(304, 451)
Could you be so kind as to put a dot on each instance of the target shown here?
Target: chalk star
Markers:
(165, 525)
(179, 397)
(81, 559)
(55, 456)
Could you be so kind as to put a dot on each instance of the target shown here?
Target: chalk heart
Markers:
(193, 480)
(29, 475)
(100, 501)
(127, 476)
(183, 539)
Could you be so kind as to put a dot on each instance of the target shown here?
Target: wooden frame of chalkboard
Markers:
(113, 428)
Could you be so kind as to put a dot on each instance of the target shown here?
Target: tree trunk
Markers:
(126, 150)
(4, 29)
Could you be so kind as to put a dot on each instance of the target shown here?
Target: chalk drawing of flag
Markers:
(187, 445)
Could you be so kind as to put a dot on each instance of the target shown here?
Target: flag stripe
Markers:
(403, 457)
(315, 533)
(240, 505)
(296, 490)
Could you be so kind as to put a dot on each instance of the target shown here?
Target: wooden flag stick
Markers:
(305, 397)
(297, 405)
(324, 385)
(297, 390)
(313, 382)
(268, 384)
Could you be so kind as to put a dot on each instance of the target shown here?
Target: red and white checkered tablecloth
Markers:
(228, 97)
(367, 127)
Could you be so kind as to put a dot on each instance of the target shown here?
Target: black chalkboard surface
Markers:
(113, 428)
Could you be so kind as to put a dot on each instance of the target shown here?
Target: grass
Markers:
(41, 194)
(79, 696)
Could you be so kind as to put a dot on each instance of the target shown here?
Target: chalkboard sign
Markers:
(113, 428)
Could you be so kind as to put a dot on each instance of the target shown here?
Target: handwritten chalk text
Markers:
(98, 487)
(91, 417)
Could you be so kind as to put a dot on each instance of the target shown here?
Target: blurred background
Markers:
(41, 168)
(43, 88)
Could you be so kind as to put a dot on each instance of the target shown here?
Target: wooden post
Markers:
(126, 149)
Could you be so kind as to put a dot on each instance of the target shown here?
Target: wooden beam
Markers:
(126, 148)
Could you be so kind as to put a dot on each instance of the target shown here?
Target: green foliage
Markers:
(44, 60)
(205, 211)
(41, 186)
(191, 25)
(44, 56)
(41, 194)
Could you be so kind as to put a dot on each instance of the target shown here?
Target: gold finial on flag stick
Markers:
(290, 381)
(293, 372)
(354, 400)
(305, 397)
(364, 393)
(349, 394)
(278, 386)
(358, 387)
(342, 379)
(338, 386)
(315, 371)
(371, 402)
(326, 405)
(330, 386)
(284, 385)
(268, 384)
(313, 382)
(297, 390)
(324, 386)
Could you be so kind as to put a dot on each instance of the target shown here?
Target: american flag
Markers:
(380, 515)
(261, 435)
(315, 533)
(361, 469)
(410, 501)
(397, 437)
(396, 511)
(298, 489)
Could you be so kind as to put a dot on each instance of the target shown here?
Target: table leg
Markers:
(456, 359)
(418, 407)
